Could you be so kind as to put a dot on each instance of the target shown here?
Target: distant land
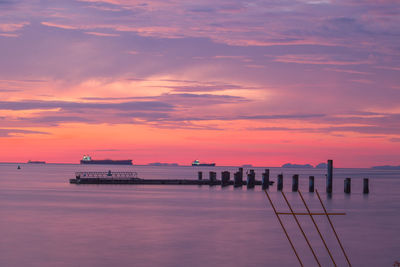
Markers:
(291, 165)
(322, 165)
(162, 164)
(247, 165)
(386, 167)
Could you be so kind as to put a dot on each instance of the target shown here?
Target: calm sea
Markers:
(45, 221)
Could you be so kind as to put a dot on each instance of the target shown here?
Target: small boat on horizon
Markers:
(88, 160)
(197, 163)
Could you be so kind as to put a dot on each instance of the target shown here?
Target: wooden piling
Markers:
(347, 185)
(311, 184)
(280, 182)
(251, 179)
(241, 173)
(265, 179)
(295, 183)
(225, 177)
(329, 176)
(200, 176)
(213, 178)
(366, 186)
(238, 181)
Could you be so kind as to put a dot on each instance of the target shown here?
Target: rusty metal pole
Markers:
(311, 184)
(329, 176)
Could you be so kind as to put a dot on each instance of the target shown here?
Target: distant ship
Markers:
(197, 163)
(37, 162)
(88, 160)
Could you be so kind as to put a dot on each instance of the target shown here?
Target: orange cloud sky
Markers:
(234, 83)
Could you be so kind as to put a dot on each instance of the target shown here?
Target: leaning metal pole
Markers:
(333, 228)
(283, 227)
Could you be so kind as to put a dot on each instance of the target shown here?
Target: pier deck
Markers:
(131, 178)
(153, 181)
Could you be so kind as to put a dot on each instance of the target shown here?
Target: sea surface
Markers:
(46, 221)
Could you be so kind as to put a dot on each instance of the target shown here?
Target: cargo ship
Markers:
(88, 160)
(197, 163)
(36, 162)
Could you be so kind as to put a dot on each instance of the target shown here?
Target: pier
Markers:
(131, 178)
(250, 182)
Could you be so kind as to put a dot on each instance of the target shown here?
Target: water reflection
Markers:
(45, 221)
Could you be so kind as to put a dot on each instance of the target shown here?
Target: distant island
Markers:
(322, 165)
(307, 166)
(386, 167)
(162, 164)
(290, 165)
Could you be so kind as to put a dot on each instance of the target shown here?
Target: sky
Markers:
(226, 81)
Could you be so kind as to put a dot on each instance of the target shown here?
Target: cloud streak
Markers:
(67, 105)
(17, 132)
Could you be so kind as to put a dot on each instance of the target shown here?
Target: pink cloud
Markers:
(12, 27)
(317, 60)
(58, 25)
(348, 71)
(103, 34)
(9, 34)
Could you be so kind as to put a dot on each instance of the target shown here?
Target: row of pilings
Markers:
(251, 181)
(238, 180)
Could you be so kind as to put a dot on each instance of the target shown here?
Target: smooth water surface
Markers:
(45, 221)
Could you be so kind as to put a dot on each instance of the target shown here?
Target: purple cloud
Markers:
(66, 105)
(309, 61)
(17, 132)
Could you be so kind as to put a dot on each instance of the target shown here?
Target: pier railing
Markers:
(107, 175)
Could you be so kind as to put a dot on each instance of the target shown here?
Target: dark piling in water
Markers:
(311, 184)
(280, 182)
(213, 178)
(238, 178)
(251, 179)
(295, 183)
(347, 185)
(265, 179)
(366, 186)
(225, 177)
(329, 176)
(241, 173)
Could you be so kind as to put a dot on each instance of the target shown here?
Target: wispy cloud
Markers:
(17, 132)
(326, 130)
(58, 25)
(316, 60)
(349, 71)
(12, 27)
(9, 34)
(45, 104)
(103, 34)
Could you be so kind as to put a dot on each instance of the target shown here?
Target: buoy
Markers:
(19, 167)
